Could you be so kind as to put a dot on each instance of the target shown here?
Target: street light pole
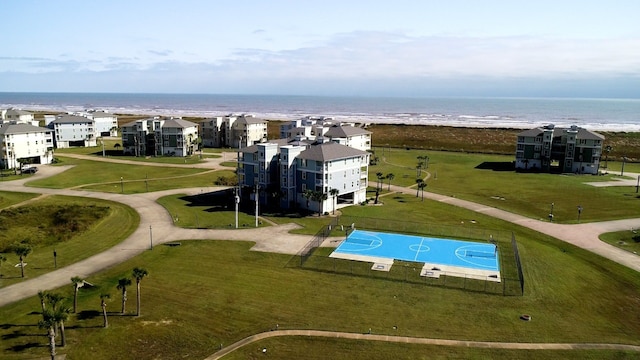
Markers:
(551, 213)
(150, 238)
(257, 200)
(121, 185)
(237, 199)
(624, 159)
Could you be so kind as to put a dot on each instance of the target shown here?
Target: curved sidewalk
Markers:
(424, 341)
(584, 235)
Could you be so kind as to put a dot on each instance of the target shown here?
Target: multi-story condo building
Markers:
(17, 116)
(286, 171)
(24, 143)
(73, 130)
(106, 124)
(313, 128)
(565, 150)
(233, 131)
(159, 137)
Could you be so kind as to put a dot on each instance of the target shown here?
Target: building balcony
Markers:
(319, 183)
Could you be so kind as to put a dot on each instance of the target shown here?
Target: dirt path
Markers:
(425, 341)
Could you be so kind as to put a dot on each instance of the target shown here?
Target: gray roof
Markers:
(178, 123)
(330, 151)
(21, 129)
(345, 131)
(71, 119)
(254, 148)
(531, 133)
(582, 133)
(12, 111)
(250, 120)
(590, 135)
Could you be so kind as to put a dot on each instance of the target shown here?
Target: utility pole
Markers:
(237, 199)
(257, 200)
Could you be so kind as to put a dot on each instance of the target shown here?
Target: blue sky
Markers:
(389, 48)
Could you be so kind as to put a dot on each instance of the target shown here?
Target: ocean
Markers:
(522, 113)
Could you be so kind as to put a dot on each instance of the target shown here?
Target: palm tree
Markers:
(138, 274)
(61, 312)
(390, 177)
(22, 250)
(418, 181)
(44, 297)
(116, 146)
(122, 285)
(421, 187)
(49, 322)
(380, 176)
(334, 193)
(77, 284)
(103, 305)
(307, 194)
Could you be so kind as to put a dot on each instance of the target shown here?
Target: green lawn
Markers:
(470, 176)
(120, 223)
(10, 198)
(206, 211)
(202, 179)
(206, 293)
(623, 239)
(93, 172)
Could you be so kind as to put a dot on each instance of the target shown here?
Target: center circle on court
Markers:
(419, 248)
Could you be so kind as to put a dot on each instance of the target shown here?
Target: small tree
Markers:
(122, 285)
(138, 274)
(22, 250)
(77, 284)
(61, 311)
(44, 297)
(421, 187)
(334, 193)
(418, 181)
(116, 146)
(103, 305)
(49, 322)
(390, 177)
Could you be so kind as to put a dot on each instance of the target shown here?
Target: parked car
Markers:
(30, 170)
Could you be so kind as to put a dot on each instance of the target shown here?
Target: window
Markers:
(304, 187)
(304, 175)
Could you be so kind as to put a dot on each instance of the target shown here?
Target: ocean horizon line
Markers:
(597, 114)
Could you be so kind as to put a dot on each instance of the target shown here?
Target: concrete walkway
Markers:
(424, 341)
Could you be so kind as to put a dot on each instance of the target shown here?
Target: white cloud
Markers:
(358, 60)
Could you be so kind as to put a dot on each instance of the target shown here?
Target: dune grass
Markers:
(109, 231)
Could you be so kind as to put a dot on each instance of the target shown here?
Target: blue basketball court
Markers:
(439, 255)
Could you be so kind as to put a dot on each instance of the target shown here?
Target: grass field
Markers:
(120, 223)
(11, 198)
(472, 177)
(206, 293)
(623, 239)
(572, 295)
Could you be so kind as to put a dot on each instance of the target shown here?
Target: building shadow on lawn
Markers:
(497, 166)
(214, 201)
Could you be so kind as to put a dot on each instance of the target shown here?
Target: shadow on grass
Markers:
(496, 166)
(214, 201)
(89, 314)
(22, 347)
